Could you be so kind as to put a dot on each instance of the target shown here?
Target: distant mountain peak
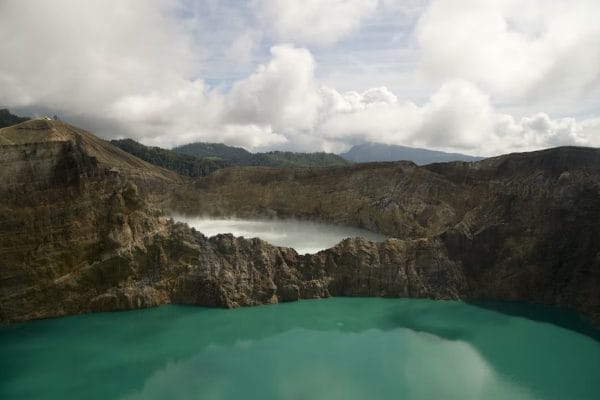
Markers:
(373, 152)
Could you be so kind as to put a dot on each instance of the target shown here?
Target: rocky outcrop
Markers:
(82, 229)
(239, 272)
(69, 209)
(519, 227)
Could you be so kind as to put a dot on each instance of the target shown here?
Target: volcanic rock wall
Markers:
(81, 229)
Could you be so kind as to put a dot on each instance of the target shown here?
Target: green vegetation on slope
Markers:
(241, 157)
(290, 159)
(200, 159)
(236, 155)
(9, 119)
(180, 163)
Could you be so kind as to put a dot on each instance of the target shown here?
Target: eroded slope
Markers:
(81, 229)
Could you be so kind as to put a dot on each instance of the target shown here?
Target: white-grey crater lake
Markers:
(303, 236)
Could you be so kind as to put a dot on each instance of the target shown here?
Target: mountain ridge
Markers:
(374, 152)
(39, 131)
(240, 157)
(201, 159)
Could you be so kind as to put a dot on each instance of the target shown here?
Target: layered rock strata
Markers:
(82, 228)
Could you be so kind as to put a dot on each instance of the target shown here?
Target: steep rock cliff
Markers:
(82, 229)
(521, 227)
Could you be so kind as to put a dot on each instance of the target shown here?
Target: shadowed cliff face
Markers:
(81, 229)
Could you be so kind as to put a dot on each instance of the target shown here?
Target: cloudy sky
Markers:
(477, 76)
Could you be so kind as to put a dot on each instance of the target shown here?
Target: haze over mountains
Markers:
(369, 152)
(444, 74)
(366, 152)
(200, 159)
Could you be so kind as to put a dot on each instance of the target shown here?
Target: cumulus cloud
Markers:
(60, 53)
(314, 21)
(458, 116)
(540, 130)
(284, 96)
(119, 67)
(281, 93)
(243, 46)
(129, 68)
(511, 48)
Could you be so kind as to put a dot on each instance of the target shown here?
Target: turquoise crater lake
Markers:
(339, 348)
